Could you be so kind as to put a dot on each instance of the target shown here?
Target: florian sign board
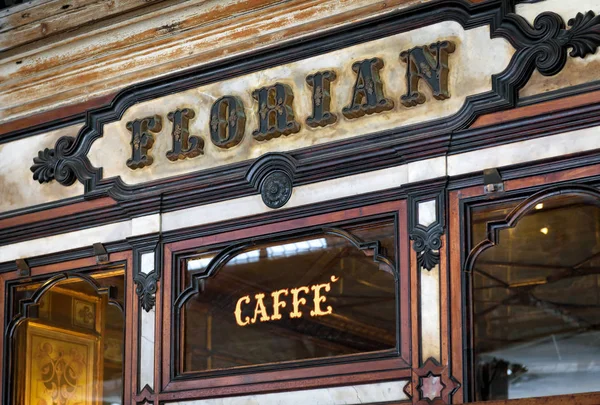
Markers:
(387, 93)
(275, 114)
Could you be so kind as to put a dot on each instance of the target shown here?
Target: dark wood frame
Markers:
(83, 265)
(314, 374)
(530, 189)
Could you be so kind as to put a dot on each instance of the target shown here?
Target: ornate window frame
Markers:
(529, 189)
(361, 368)
(60, 268)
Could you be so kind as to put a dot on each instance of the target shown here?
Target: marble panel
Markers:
(520, 152)
(147, 262)
(146, 359)
(17, 186)
(430, 314)
(302, 195)
(348, 395)
(146, 224)
(65, 241)
(427, 212)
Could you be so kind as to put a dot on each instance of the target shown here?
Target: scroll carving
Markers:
(184, 145)
(427, 243)
(50, 164)
(146, 288)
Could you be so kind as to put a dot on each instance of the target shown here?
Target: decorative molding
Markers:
(371, 249)
(273, 175)
(427, 244)
(427, 237)
(543, 46)
(53, 164)
(510, 221)
(146, 288)
(434, 385)
(146, 283)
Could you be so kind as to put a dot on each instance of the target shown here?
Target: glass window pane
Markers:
(536, 303)
(69, 350)
(293, 299)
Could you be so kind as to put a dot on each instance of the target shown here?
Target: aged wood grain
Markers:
(105, 57)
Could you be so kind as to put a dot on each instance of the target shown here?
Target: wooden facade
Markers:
(140, 135)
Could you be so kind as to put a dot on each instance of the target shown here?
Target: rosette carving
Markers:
(276, 189)
(51, 164)
(273, 176)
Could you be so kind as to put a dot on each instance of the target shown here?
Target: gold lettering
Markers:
(238, 311)
(260, 309)
(277, 303)
(296, 302)
(318, 298)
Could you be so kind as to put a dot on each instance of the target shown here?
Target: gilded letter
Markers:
(238, 311)
(321, 99)
(318, 298)
(184, 145)
(227, 122)
(277, 303)
(142, 140)
(296, 302)
(260, 309)
(367, 95)
(431, 64)
(275, 113)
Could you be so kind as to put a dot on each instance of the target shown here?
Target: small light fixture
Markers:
(539, 206)
(544, 231)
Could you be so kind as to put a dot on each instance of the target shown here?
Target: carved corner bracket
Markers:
(427, 243)
(146, 287)
(146, 283)
(273, 176)
(426, 231)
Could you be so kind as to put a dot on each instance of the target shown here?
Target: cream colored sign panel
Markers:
(472, 59)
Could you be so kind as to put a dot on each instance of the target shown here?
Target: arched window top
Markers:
(67, 339)
(535, 291)
(317, 293)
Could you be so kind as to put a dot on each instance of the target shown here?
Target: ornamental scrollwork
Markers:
(50, 164)
(427, 243)
(544, 46)
(146, 287)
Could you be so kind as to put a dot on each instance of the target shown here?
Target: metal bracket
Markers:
(23, 267)
(492, 181)
(100, 253)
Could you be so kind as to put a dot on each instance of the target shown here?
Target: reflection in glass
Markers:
(69, 351)
(536, 301)
(299, 298)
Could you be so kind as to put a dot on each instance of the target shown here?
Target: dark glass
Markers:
(226, 325)
(70, 350)
(536, 302)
